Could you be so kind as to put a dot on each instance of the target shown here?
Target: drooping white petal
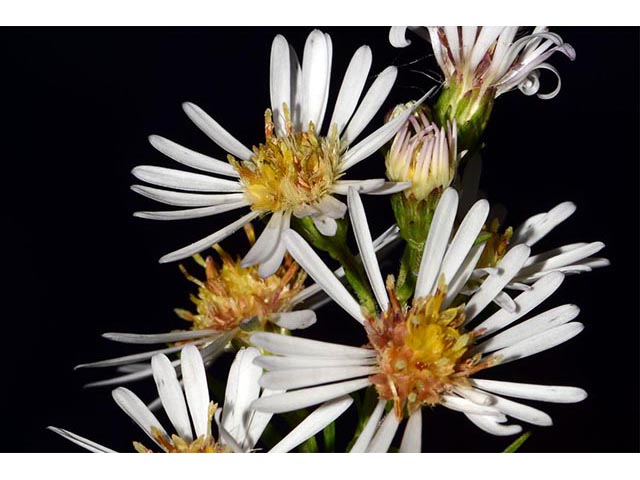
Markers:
(364, 439)
(365, 246)
(138, 412)
(371, 103)
(326, 225)
(476, 396)
(384, 436)
(540, 342)
(309, 260)
(146, 339)
(412, 438)
(225, 437)
(316, 68)
(266, 243)
(288, 345)
(215, 132)
(489, 425)
(210, 240)
(192, 212)
(547, 222)
(171, 395)
(309, 377)
(191, 158)
(290, 362)
(289, 401)
(280, 81)
(464, 273)
(436, 243)
(181, 180)
(460, 404)
(521, 412)
(505, 302)
(182, 199)
(81, 441)
(314, 423)
(195, 388)
(257, 424)
(332, 207)
(295, 320)
(528, 391)
(351, 89)
(271, 265)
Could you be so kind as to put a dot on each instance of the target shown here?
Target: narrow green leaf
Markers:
(515, 446)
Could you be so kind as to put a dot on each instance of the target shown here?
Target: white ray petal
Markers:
(310, 377)
(538, 324)
(436, 243)
(215, 132)
(476, 396)
(342, 187)
(371, 103)
(326, 225)
(544, 225)
(528, 391)
(309, 260)
(552, 253)
(351, 89)
(526, 301)
(195, 388)
(290, 362)
(191, 158)
(210, 240)
(412, 438)
(464, 405)
(128, 359)
(242, 389)
(131, 377)
(508, 267)
(489, 425)
(257, 424)
(81, 441)
(332, 207)
(182, 199)
(138, 412)
(364, 439)
(288, 345)
(464, 273)
(384, 436)
(563, 259)
(316, 68)
(171, 396)
(181, 180)
(280, 81)
(314, 423)
(504, 301)
(225, 437)
(539, 343)
(287, 402)
(464, 239)
(266, 243)
(365, 246)
(521, 412)
(389, 188)
(295, 320)
(398, 37)
(146, 339)
(377, 139)
(200, 212)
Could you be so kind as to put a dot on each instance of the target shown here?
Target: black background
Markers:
(77, 107)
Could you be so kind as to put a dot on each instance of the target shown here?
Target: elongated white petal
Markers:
(365, 246)
(316, 68)
(326, 225)
(504, 301)
(476, 396)
(384, 436)
(280, 81)
(389, 188)
(464, 239)
(215, 132)
(521, 412)
(295, 320)
(257, 424)
(314, 423)
(533, 326)
(507, 268)
(412, 438)
(195, 388)
(130, 377)
(226, 438)
(182, 199)
(540, 342)
(552, 253)
(378, 138)
(398, 37)
(270, 265)
(563, 259)
(142, 338)
(138, 412)
(242, 389)
(181, 180)
(364, 439)
(128, 359)
(436, 243)
(489, 425)
(371, 103)
(171, 395)
(544, 225)
(309, 260)
(464, 273)
(526, 301)
(351, 89)
(287, 345)
(342, 187)
(210, 240)
(266, 243)
(289, 401)
(191, 158)
(81, 441)
(467, 406)
(192, 212)
(310, 377)
(273, 362)
(528, 391)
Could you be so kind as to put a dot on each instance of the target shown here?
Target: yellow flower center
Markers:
(422, 351)
(292, 171)
(231, 293)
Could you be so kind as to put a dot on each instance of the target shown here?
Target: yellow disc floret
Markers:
(290, 172)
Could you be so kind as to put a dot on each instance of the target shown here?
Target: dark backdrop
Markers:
(77, 106)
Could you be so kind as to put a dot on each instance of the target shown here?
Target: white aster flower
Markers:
(491, 58)
(297, 170)
(427, 353)
(191, 413)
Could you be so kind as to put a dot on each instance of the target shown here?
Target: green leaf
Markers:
(515, 446)
(329, 437)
